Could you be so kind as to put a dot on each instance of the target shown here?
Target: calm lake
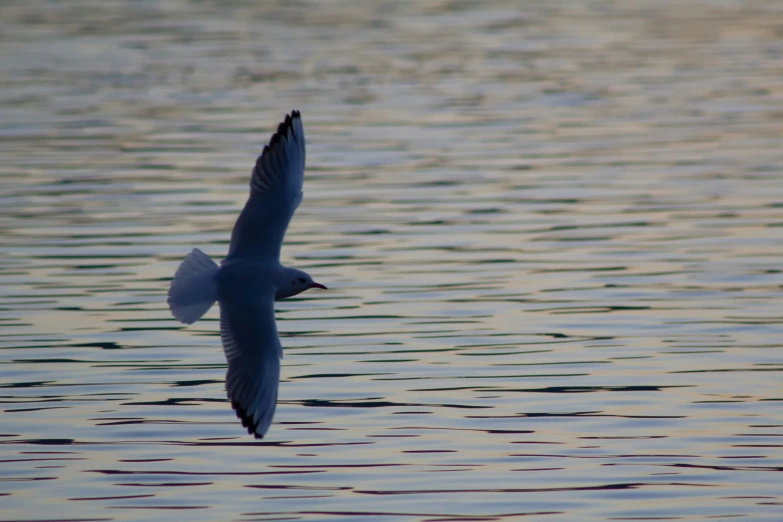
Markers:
(552, 233)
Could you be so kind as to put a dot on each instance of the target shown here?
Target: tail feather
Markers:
(193, 290)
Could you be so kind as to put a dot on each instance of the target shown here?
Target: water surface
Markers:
(552, 238)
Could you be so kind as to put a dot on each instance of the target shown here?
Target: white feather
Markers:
(193, 289)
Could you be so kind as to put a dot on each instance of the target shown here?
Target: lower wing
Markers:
(253, 351)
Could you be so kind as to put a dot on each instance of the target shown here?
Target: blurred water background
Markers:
(551, 232)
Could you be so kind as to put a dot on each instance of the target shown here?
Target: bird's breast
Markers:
(242, 280)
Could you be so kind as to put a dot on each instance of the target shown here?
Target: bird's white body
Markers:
(251, 278)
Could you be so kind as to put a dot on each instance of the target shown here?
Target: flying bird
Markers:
(250, 279)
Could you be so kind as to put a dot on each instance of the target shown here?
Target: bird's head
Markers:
(295, 282)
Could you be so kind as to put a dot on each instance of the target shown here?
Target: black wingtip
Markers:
(283, 128)
(247, 421)
(273, 155)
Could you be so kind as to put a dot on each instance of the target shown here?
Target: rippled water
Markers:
(552, 237)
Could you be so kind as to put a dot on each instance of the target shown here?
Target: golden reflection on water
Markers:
(551, 235)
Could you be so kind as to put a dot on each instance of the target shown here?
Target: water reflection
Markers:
(553, 236)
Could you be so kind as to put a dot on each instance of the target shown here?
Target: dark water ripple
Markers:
(552, 238)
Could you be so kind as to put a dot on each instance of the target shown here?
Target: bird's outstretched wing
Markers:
(275, 192)
(253, 351)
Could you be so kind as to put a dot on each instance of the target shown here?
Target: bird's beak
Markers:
(318, 285)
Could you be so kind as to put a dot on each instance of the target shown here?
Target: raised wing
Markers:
(253, 351)
(275, 192)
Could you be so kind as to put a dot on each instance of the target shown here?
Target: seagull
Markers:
(250, 279)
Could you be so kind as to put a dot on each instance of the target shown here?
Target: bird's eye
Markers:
(301, 280)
